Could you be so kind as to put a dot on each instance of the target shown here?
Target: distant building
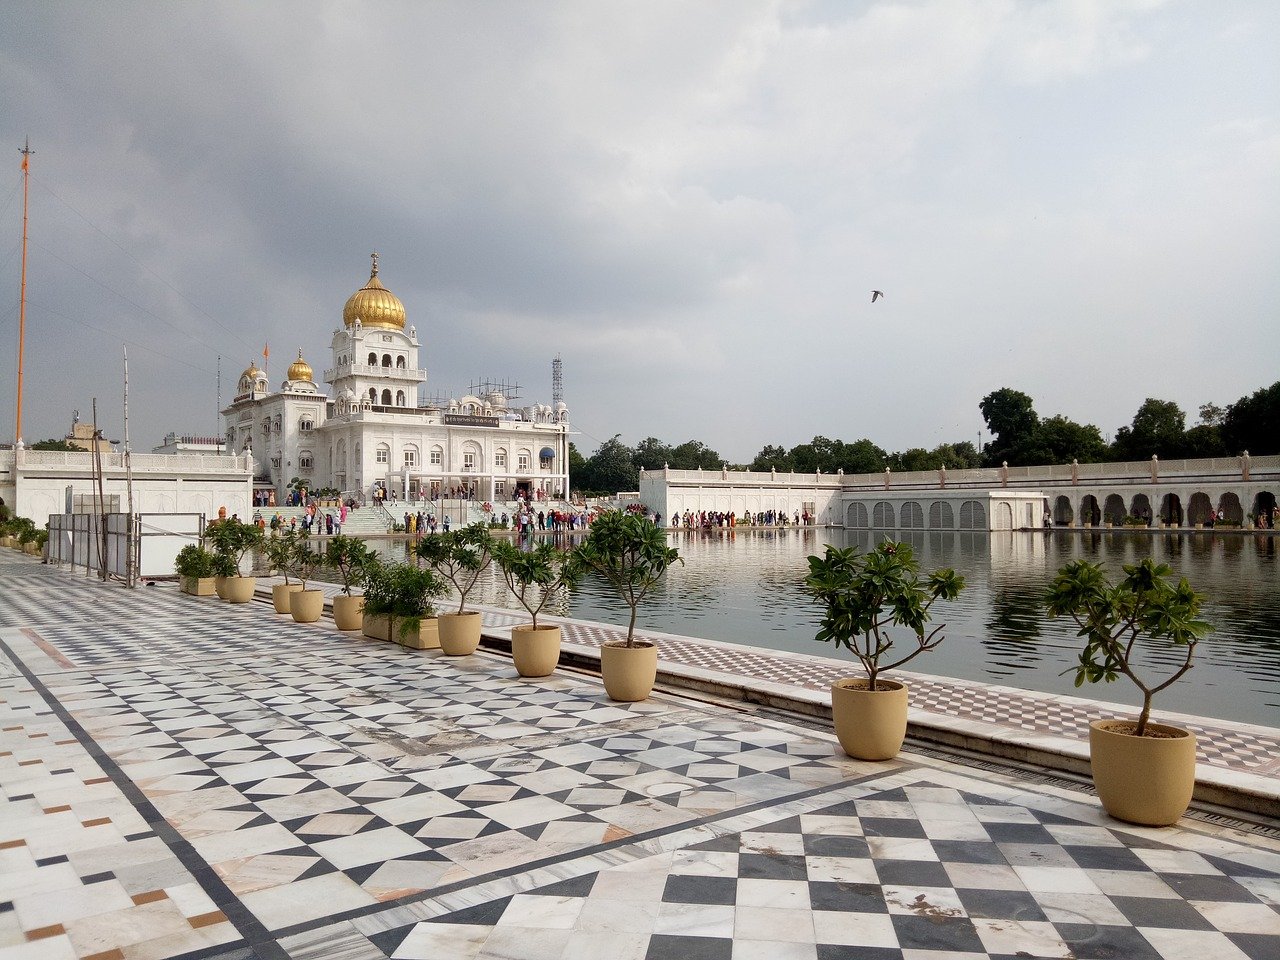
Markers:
(174, 444)
(372, 434)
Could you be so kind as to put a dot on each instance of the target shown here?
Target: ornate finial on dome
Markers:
(374, 257)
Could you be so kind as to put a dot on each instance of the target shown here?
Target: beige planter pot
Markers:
(629, 673)
(280, 594)
(870, 724)
(220, 587)
(198, 586)
(306, 605)
(31, 548)
(376, 626)
(536, 652)
(240, 589)
(348, 612)
(459, 633)
(1147, 780)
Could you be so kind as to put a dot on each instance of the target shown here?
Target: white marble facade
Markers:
(371, 431)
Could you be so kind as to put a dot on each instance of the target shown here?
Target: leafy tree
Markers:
(773, 457)
(1158, 429)
(817, 454)
(1253, 423)
(1012, 419)
(913, 460)
(651, 454)
(1212, 415)
(693, 454)
(1065, 440)
(62, 446)
(612, 467)
(1204, 440)
(958, 456)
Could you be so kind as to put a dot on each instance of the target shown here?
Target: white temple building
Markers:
(371, 433)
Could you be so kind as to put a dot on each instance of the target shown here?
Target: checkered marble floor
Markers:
(181, 777)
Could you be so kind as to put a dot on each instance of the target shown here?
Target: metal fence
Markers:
(125, 546)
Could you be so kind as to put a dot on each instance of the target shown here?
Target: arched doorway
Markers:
(1062, 512)
(1229, 509)
(1171, 509)
(1090, 512)
(1003, 516)
(882, 515)
(856, 516)
(1113, 509)
(1264, 505)
(941, 516)
(912, 515)
(1141, 507)
(1198, 509)
(973, 515)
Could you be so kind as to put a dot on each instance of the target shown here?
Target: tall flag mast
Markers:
(26, 152)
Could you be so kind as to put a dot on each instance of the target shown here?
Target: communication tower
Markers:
(557, 380)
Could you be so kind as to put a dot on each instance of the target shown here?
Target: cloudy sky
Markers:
(689, 202)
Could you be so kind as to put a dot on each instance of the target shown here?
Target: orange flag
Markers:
(265, 352)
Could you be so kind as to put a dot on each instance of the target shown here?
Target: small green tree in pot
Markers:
(1144, 772)
(306, 605)
(536, 577)
(631, 554)
(277, 550)
(864, 596)
(231, 540)
(350, 558)
(460, 557)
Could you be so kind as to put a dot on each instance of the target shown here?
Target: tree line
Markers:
(1020, 437)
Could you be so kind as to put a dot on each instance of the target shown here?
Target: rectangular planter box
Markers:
(427, 637)
(198, 586)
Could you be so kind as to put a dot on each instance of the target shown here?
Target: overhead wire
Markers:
(185, 299)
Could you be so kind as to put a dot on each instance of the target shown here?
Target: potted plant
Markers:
(278, 551)
(1144, 772)
(864, 595)
(194, 566)
(632, 554)
(460, 557)
(231, 540)
(535, 577)
(307, 606)
(349, 557)
(399, 605)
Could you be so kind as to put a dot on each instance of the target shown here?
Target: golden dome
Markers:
(374, 305)
(251, 372)
(299, 369)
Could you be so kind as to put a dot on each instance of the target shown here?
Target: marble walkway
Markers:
(184, 778)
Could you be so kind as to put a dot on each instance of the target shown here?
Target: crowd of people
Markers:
(707, 519)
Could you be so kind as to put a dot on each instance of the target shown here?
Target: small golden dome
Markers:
(251, 372)
(374, 305)
(299, 369)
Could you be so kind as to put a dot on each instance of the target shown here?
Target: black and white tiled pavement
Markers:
(185, 778)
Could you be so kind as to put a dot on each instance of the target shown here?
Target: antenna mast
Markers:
(26, 152)
(218, 414)
(557, 380)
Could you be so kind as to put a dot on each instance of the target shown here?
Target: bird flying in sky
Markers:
(876, 295)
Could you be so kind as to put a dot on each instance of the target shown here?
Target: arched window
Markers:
(399, 398)
(304, 424)
(373, 359)
(437, 456)
(277, 423)
(304, 460)
(373, 395)
(410, 455)
(400, 362)
(386, 359)
(500, 458)
(386, 398)
(383, 453)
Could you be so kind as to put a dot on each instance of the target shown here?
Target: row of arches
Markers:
(941, 515)
(1115, 509)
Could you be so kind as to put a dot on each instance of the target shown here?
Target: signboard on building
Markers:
(468, 420)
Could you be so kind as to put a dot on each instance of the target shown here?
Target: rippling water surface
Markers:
(747, 587)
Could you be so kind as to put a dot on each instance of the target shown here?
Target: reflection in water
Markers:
(748, 587)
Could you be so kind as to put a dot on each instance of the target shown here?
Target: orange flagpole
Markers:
(26, 152)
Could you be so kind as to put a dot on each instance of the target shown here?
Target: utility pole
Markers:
(26, 152)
